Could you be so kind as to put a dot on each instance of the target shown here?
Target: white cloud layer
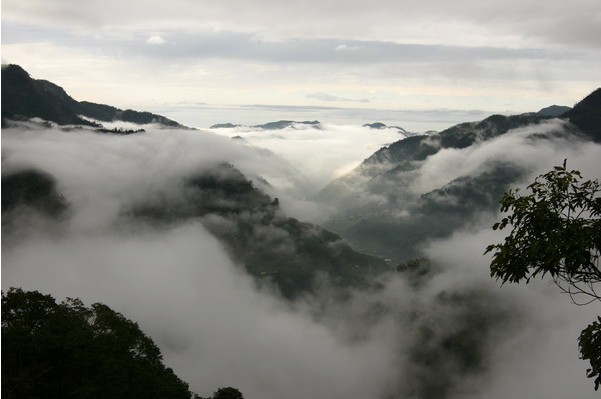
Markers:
(216, 329)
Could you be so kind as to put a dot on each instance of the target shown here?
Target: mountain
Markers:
(379, 210)
(398, 229)
(586, 115)
(25, 98)
(293, 255)
(224, 126)
(272, 125)
(284, 124)
(406, 155)
(554, 111)
(381, 126)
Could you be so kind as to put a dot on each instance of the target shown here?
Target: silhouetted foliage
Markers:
(590, 349)
(120, 131)
(556, 231)
(227, 393)
(66, 350)
(224, 393)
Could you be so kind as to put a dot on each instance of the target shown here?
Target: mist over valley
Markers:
(296, 259)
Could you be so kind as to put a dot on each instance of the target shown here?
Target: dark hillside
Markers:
(587, 115)
(25, 98)
(292, 254)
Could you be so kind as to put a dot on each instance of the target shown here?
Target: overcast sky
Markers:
(333, 59)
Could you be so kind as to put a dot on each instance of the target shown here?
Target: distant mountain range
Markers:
(283, 124)
(25, 98)
(271, 125)
(382, 126)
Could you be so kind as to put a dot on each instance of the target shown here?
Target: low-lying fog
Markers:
(216, 328)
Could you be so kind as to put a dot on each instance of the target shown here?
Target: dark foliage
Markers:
(120, 131)
(224, 393)
(66, 350)
(589, 344)
(556, 231)
(227, 393)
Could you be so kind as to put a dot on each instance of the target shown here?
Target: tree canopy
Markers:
(66, 350)
(556, 231)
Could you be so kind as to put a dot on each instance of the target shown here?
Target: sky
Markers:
(418, 64)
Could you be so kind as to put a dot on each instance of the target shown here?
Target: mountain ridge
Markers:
(24, 98)
(379, 213)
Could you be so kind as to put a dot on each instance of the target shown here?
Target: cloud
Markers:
(465, 21)
(328, 97)
(156, 39)
(518, 147)
(468, 55)
(540, 357)
(213, 327)
(455, 332)
(177, 281)
(235, 45)
(346, 47)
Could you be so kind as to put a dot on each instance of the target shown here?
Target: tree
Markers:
(224, 393)
(556, 231)
(66, 350)
(227, 393)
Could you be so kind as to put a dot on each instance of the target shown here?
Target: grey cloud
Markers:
(328, 97)
(236, 45)
(247, 46)
(379, 20)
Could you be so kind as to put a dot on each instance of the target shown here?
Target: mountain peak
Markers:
(24, 97)
(554, 111)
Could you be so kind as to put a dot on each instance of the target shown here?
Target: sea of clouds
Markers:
(216, 328)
